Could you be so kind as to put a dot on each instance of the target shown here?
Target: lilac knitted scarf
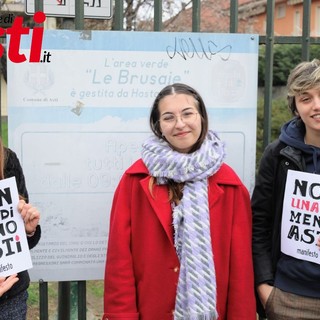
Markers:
(196, 292)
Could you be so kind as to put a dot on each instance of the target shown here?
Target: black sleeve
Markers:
(263, 216)
(13, 168)
(33, 241)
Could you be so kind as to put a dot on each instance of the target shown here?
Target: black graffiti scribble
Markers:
(188, 48)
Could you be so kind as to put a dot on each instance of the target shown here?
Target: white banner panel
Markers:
(78, 121)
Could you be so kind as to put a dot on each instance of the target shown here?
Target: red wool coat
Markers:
(142, 266)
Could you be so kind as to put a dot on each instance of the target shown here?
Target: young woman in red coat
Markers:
(180, 227)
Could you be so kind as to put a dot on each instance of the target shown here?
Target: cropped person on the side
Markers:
(288, 286)
(13, 289)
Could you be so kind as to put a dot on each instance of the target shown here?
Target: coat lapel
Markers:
(161, 205)
(214, 193)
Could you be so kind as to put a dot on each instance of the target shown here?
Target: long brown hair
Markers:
(2, 159)
(176, 189)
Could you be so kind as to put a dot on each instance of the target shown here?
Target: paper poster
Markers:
(79, 118)
(14, 249)
(300, 227)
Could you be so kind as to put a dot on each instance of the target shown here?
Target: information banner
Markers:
(78, 120)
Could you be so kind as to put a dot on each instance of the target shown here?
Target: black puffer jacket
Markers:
(267, 202)
(13, 168)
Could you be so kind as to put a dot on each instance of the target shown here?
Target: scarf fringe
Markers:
(210, 315)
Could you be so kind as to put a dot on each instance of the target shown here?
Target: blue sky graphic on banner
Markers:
(78, 121)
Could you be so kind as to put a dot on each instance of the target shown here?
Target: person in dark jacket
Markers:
(288, 287)
(13, 290)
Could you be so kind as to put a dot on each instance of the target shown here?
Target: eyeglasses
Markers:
(187, 117)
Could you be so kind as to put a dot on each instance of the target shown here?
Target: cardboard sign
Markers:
(300, 227)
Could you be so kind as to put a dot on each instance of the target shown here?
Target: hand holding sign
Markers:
(7, 283)
(30, 216)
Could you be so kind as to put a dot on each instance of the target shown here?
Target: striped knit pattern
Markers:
(196, 292)
(197, 282)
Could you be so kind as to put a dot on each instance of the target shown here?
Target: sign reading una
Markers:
(98, 9)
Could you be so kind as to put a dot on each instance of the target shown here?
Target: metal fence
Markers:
(268, 40)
